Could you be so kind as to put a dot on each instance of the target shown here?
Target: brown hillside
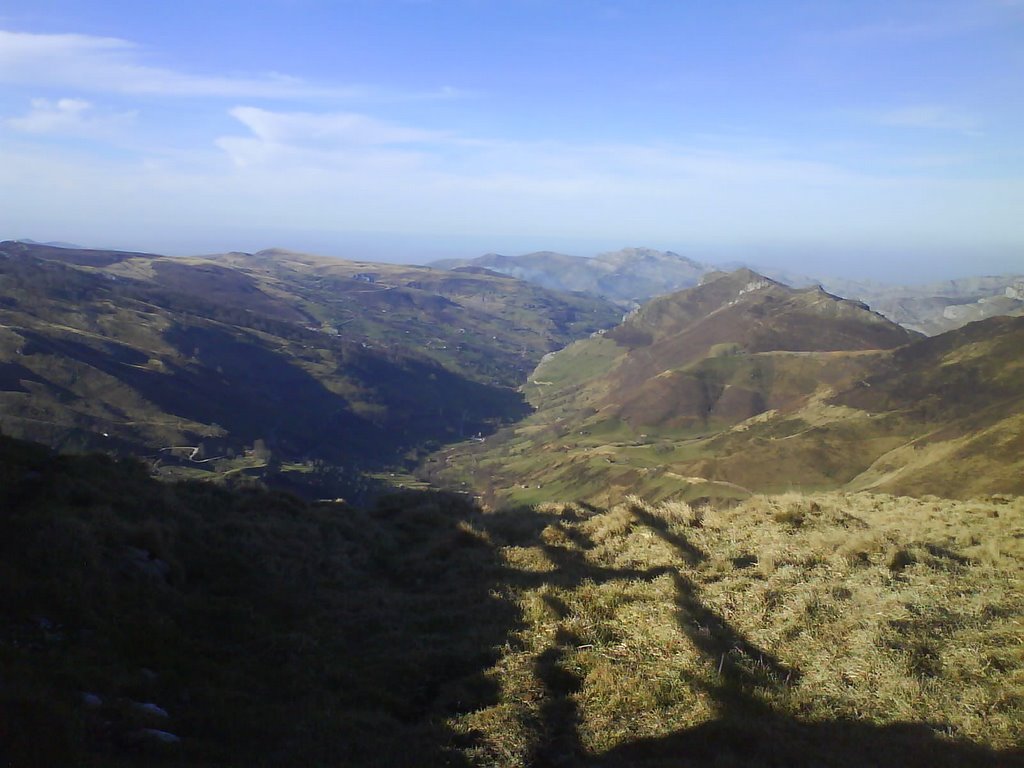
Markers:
(941, 415)
(686, 349)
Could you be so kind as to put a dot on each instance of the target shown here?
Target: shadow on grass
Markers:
(281, 633)
(257, 629)
(746, 730)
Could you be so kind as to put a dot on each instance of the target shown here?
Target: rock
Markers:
(154, 734)
(150, 708)
(142, 561)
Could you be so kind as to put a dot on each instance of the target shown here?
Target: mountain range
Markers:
(628, 276)
(707, 531)
(235, 364)
(634, 275)
(745, 385)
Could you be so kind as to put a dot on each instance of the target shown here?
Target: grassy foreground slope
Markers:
(179, 624)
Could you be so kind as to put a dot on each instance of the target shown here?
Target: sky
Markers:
(868, 139)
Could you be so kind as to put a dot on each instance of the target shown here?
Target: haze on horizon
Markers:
(877, 139)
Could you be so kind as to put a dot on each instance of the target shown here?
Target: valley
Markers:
(353, 365)
(477, 384)
(278, 509)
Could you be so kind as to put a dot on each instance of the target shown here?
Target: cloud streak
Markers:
(321, 140)
(328, 128)
(109, 64)
(70, 117)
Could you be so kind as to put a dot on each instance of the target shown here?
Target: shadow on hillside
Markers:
(746, 731)
(256, 392)
(318, 635)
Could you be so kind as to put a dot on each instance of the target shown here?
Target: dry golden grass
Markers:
(891, 625)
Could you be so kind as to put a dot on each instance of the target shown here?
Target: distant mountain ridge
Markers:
(633, 275)
(935, 308)
(52, 244)
(627, 276)
(630, 276)
(930, 308)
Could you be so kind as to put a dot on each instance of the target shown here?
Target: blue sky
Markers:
(878, 139)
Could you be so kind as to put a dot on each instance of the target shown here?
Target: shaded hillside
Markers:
(702, 394)
(66, 253)
(628, 276)
(960, 396)
(181, 624)
(313, 359)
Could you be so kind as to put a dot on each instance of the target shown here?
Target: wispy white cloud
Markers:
(70, 117)
(109, 64)
(325, 141)
(346, 171)
(608, 192)
(328, 128)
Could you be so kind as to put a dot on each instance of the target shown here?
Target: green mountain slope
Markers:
(489, 327)
(745, 385)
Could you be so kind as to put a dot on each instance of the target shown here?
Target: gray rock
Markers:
(142, 562)
(150, 708)
(164, 737)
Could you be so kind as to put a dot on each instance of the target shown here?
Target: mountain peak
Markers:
(750, 279)
(629, 256)
(758, 314)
